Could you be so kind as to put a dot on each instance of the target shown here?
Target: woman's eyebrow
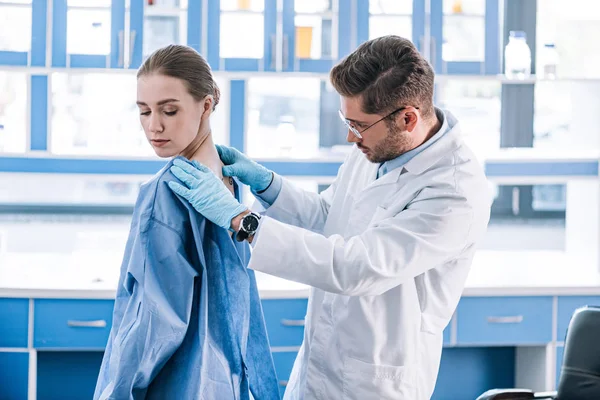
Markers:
(160, 103)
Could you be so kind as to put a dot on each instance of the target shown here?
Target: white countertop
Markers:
(494, 273)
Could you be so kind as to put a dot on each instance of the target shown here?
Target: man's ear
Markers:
(410, 119)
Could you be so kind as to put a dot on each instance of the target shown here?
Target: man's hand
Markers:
(247, 171)
(205, 192)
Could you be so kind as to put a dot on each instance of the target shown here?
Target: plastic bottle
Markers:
(549, 61)
(517, 56)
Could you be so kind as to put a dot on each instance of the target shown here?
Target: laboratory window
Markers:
(477, 106)
(15, 25)
(576, 50)
(96, 114)
(242, 29)
(13, 111)
(293, 118)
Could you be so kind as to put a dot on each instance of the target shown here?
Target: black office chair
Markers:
(580, 372)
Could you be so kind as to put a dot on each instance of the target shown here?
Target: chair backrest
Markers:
(580, 371)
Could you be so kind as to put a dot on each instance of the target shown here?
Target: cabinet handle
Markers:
(273, 51)
(516, 319)
(292, 322)
(286, 51)
(131, 46)
(121, 49)
(87, 324)
(283, 383)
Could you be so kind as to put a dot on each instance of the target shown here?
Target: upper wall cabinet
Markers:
(404, 18)
(23, 32)
(93, 34)
(242, 35)
(465, 37)
(88, 33)
(457, 36)
(316, 33)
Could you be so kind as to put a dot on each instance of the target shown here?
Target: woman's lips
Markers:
(159, 142)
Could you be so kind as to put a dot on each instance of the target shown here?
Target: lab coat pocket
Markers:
(382, 382)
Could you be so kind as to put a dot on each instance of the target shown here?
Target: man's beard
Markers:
(393, 145)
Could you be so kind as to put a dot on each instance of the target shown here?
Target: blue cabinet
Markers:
(14, 316)
(68, 375)
(23, 33)
(14, 372)
(504, 320)
(310, 40)
(242, 35)
(566, 307)
(404, 18)
(88, 34)
(285, 321)
(560, 351)
(163, 23)
(284, 362)
(72, 324)
(465, 37)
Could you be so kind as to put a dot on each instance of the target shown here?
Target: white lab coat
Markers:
(387, 261)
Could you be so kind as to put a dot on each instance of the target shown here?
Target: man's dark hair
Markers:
(387, 72)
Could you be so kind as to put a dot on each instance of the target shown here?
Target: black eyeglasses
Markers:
(356, 131)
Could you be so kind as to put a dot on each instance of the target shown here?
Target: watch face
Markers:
(250, 223)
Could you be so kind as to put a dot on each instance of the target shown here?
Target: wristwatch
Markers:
(248, 226)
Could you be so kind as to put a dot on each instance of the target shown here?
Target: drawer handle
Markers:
(87, 324)
(516, 319)
(283, 383)
(292, 322)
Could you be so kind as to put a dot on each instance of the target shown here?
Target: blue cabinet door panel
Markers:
(14, 372)
(567, 306)
(284, 362)
(504, 320)
(14, 316)
(285, 321)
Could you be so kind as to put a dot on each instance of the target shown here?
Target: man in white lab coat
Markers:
(386, 248)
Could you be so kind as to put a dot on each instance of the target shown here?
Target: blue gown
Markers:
(187, 321)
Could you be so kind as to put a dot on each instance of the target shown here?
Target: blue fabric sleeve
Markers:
(268, 197)
(156, 307)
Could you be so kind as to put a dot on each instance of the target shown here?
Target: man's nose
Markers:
(351, 137)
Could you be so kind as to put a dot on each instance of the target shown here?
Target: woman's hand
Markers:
(205, 192)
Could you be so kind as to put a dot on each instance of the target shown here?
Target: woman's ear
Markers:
(207, 106)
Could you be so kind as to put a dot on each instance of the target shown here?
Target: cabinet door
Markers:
(242, 35)
(465, 36)
(23, 32)
(404, 18)
(88, 33)
(315, 34)
(14, 372)
(162, 22)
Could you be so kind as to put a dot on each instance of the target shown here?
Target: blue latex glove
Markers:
(247, 171)
(205, 192)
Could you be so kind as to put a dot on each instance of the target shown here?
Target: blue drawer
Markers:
(567, 306)
(284, 361)
(285, 321)
(14, 316)
(82, 324)
(560, 350)
(504, 320)
(14, 375)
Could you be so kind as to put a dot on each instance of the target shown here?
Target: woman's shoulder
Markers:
(158, 202)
